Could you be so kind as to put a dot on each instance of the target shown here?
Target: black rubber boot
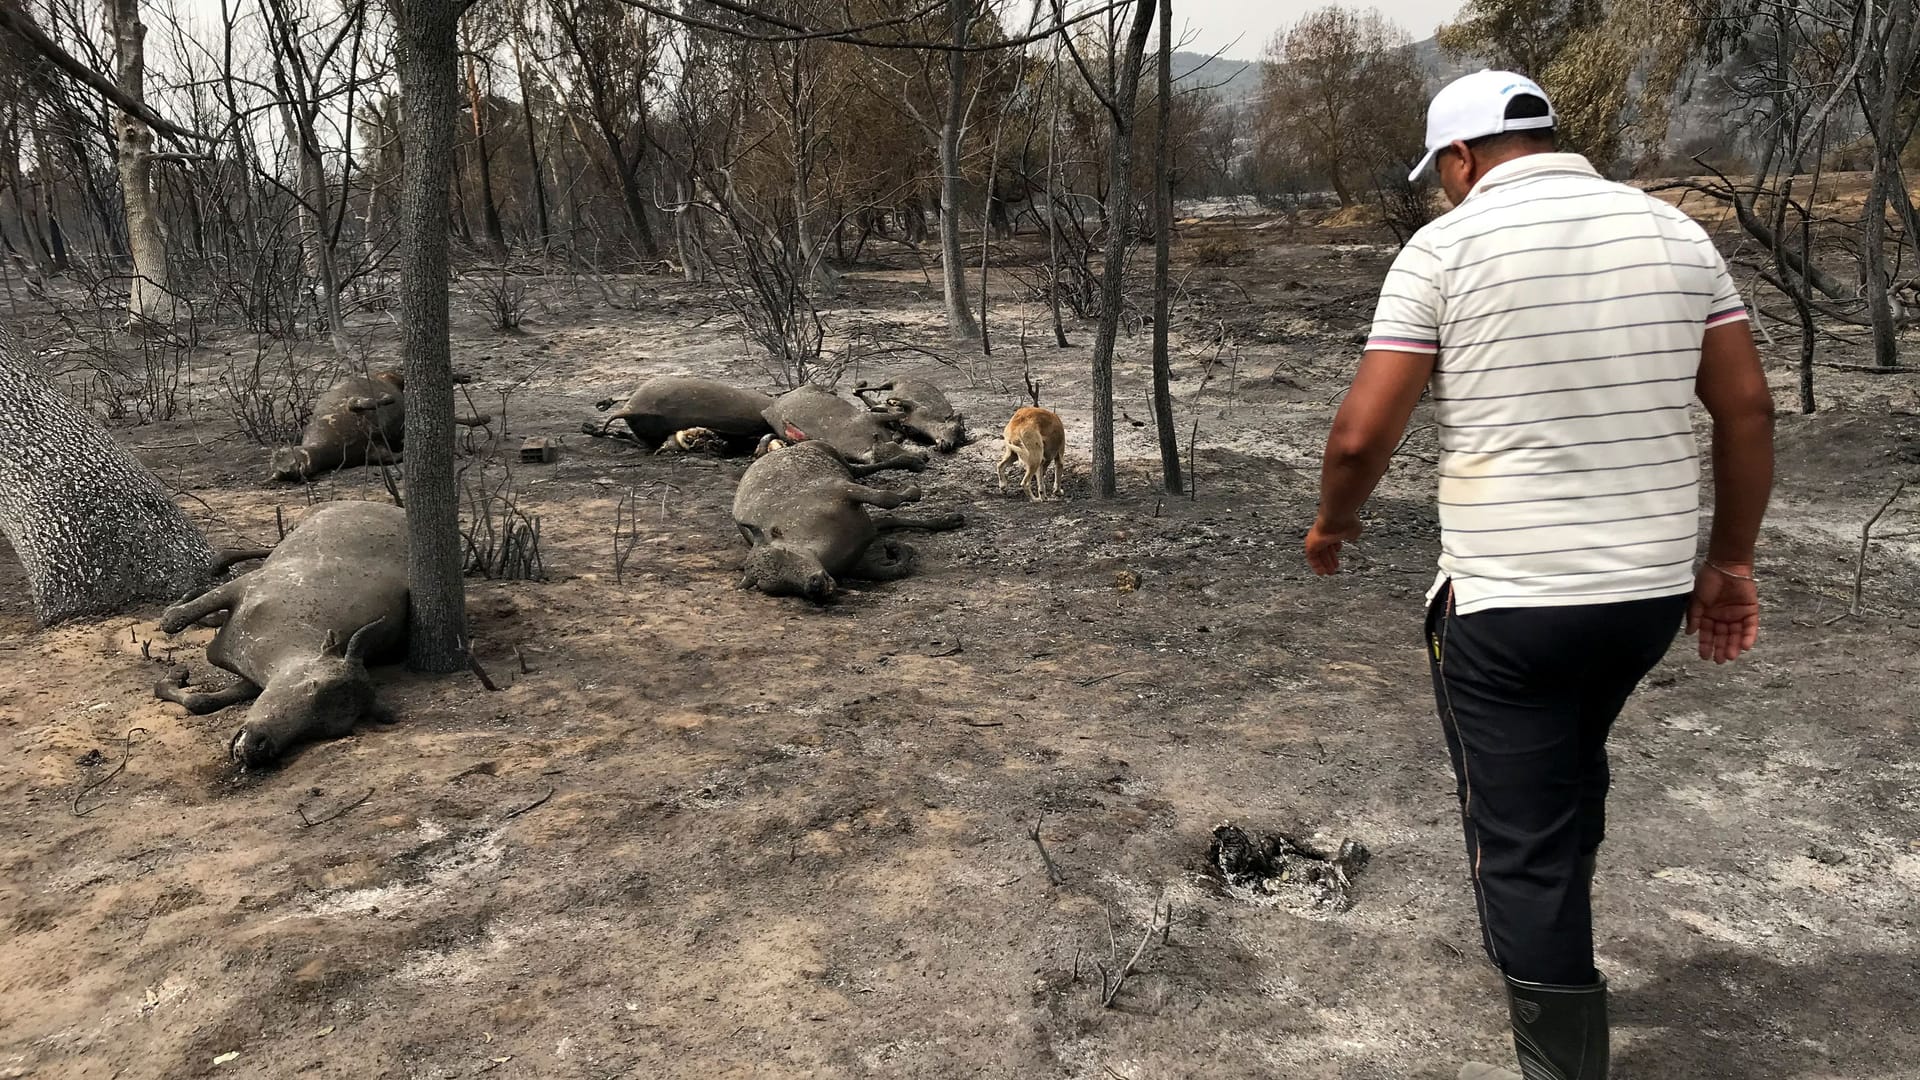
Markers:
(1559, 1033)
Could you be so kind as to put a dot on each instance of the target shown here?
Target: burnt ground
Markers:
(774, 841)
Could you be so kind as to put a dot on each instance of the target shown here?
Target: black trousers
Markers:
(1527, 696)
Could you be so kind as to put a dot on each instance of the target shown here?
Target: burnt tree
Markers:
(150, 297)
(1117, 97)
(1162, 247)
(953, 128)
(426, 54)
(96, 531)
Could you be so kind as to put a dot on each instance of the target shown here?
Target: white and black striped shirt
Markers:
(1566, 312)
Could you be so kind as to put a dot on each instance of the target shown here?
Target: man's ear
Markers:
(1466, 158)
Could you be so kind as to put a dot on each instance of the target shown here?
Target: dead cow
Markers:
(360, 420)
(860, 435)
(682, 413)
(806, 523)
(920, 410)
(301, 629)
(1037, 439)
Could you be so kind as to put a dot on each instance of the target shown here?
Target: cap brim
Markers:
(1421, 168)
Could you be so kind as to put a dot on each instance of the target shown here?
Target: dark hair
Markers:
(1537, 140)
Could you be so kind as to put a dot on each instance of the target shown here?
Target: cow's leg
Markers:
(886, 500)
(890, 522)
(911, 461)
(884, 560)
(858, 469)
(228, 558)
(172, 687)
(187, 612)
(605, 430)
(381, 455)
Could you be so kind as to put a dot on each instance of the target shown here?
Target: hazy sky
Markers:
(1214, 24)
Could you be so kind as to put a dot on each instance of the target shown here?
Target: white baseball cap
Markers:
(1475, 106)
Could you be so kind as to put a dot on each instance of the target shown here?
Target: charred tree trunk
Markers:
(44, 190)
(1883, 117)
(1173, 483)
(315, 211)
(1886, 346)
(96, 531)
(690, 234)
(151, 295)
(544, 223)
(426, 60)
(953, 266)
(1119, 211)
(489, 209)
(1053, 202)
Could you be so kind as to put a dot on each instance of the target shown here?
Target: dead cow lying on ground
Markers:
(680, 413)
(921, 410)
(301, 629)
(360, 420)
(860, 435)
(806, 523)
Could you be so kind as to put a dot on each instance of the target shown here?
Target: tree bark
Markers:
(1173, 483)
(1119, 211)
(96, 531)
(489, 209)
(426, 61)
(544, 224)
(315, 211)
(150, 297)
(634, 198)
(1053, 201)
(1896, 63)
(953, 267)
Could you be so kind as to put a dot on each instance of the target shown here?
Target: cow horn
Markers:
(362, 638)
(329, 643)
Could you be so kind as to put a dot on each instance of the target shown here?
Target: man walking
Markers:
(1564, 324)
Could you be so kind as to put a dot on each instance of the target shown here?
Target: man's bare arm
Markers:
(1734, 389)
(1725, 612)
(1369, 425)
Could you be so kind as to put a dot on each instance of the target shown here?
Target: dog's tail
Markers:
(1033, 445)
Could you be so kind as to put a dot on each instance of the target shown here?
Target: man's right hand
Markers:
(1725, 611)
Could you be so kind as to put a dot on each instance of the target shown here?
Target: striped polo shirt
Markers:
(1566, 312)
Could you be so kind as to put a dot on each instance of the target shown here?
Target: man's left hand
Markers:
(1324, 540)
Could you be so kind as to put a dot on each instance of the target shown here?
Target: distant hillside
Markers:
(1237, 82)
(1698, 111)
(1232, 81)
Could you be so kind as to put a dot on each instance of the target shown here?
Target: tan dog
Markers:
(1037, 439)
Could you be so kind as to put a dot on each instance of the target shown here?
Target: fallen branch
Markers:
(126, 755)
(534, 805)
(307, 823)
(473, 663)
(1054, 876)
